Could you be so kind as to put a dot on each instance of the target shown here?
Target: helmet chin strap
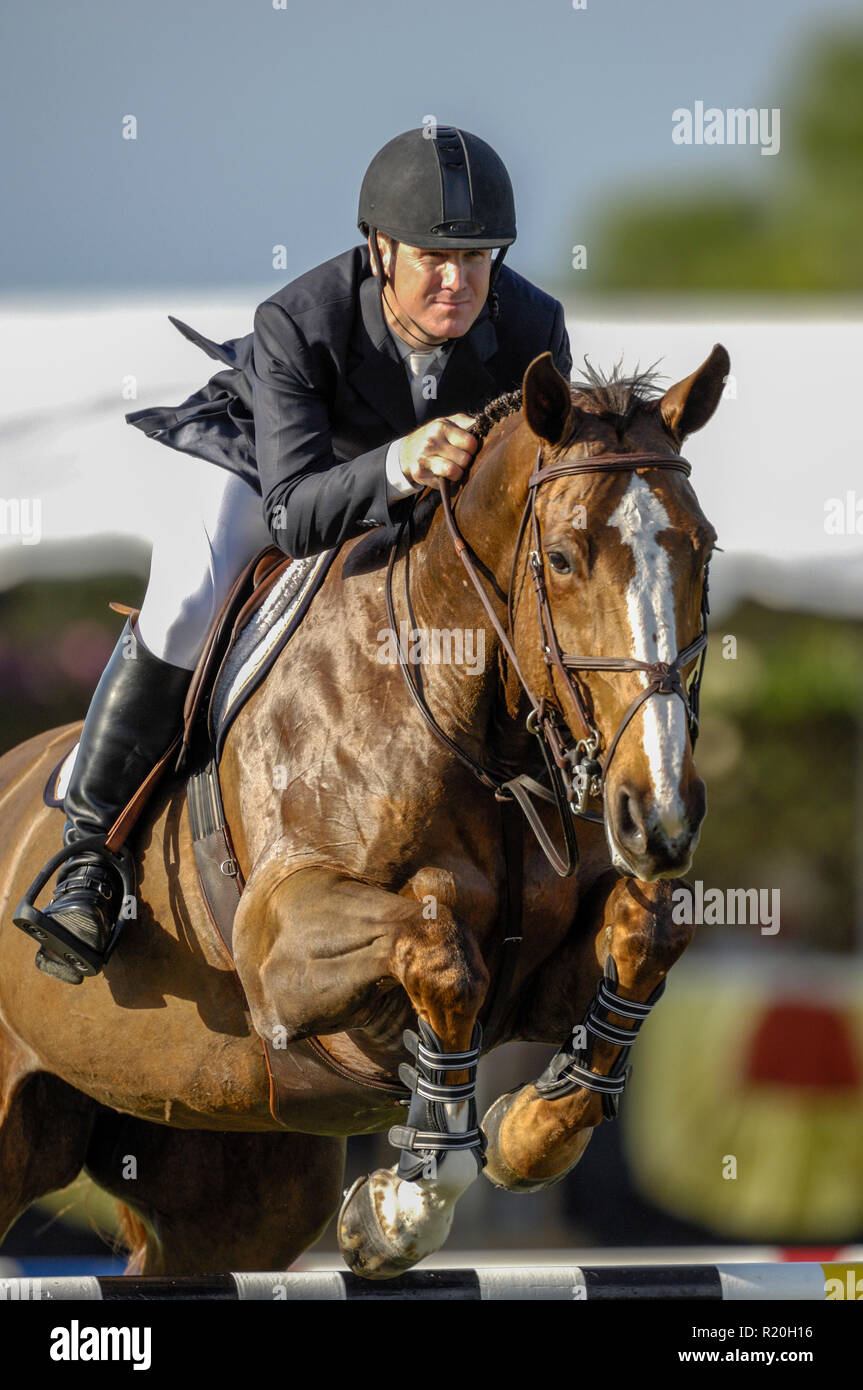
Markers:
(423, 341)
(421, 336)
(493, 300)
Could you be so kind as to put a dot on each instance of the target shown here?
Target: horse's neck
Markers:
(443, 598)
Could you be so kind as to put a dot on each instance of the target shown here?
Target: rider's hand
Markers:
(441, 449)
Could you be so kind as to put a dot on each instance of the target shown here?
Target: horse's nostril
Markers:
(630, 827)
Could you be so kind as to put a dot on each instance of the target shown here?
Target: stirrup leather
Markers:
(54, 935)
(427, 1135)
(570, 1068)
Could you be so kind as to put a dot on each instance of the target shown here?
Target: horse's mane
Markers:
(612, 395)
(495, 411)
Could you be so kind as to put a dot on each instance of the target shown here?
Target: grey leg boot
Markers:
(134, 715)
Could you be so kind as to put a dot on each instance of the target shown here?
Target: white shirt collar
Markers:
(419, 358)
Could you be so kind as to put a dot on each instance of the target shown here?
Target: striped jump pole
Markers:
(574, 1283)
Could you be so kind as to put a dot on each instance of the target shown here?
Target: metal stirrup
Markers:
(45, 930)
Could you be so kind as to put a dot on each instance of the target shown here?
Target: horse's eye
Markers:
(559, 562)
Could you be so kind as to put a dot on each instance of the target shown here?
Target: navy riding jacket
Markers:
(310, 401)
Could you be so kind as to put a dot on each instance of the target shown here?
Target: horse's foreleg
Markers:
(318, 951)
(399, 1215)
(538, 1132)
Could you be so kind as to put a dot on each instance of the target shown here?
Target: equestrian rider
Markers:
(351, 395)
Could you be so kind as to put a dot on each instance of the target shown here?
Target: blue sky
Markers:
(255, 124)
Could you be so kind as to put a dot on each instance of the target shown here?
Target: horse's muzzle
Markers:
(651, 842)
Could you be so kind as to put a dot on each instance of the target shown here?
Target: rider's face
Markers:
(442, 291)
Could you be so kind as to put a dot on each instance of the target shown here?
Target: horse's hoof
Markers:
(371, 1238)
(496, 1169)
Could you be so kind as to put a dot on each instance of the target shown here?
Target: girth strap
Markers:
(513, 849)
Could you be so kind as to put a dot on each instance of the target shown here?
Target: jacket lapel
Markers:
(466, 383)
(379, 376)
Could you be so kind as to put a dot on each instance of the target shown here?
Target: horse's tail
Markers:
(132, 1233)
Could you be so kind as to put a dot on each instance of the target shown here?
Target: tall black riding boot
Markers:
(134, 715)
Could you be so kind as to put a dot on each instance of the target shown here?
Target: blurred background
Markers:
(250, 129)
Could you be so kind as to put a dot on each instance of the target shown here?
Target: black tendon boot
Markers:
(134, 715)
(426, 1139)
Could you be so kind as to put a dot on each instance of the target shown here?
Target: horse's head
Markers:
(620, 556)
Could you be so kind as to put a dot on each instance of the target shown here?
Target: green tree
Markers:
(800, 231)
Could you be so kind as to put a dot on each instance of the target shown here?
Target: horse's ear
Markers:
(690, 404)
(546, 398)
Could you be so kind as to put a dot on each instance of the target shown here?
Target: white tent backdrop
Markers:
(787, 439)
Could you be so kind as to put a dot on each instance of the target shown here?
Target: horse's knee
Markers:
(442, 970)
(647, 930)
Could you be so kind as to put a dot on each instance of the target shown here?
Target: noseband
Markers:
(574, 769)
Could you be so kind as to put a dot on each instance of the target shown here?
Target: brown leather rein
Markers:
(574, 771)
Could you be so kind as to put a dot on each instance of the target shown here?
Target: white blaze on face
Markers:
(639, 517)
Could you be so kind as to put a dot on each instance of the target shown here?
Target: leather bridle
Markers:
(574, 769)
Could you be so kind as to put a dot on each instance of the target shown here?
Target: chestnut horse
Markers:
(379, 882)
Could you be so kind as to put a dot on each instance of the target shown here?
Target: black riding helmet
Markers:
(439, 187)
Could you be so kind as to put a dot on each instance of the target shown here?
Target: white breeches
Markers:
(196, 559)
